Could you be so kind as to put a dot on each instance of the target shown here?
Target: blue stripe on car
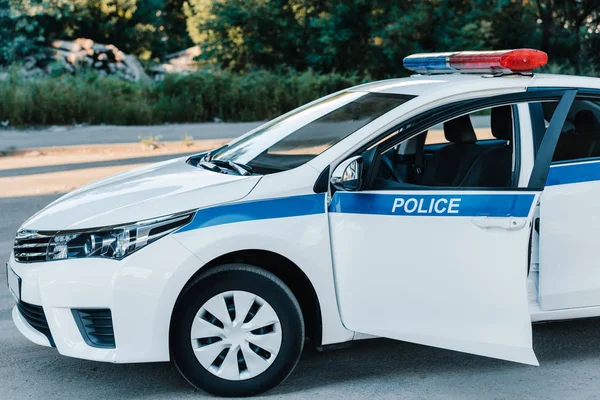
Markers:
(459, 205)
(563, 174)
(448, 205)
(283, 207)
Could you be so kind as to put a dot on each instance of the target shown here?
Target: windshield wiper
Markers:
(217, 166)
(240, 168)
(209, 166)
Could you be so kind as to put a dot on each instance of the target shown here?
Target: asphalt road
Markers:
(103, 134)
(569, 354)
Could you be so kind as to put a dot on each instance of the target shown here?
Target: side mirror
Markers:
(348, 175)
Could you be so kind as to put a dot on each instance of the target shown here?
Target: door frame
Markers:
(543, 157)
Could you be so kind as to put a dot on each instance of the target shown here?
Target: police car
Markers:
(452, 208)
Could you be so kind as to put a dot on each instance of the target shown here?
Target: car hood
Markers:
(148, 192)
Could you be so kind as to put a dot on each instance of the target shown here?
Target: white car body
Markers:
(412, 267)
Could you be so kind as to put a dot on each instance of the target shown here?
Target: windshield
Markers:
(304, 134)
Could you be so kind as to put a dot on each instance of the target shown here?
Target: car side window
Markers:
(580, 135)
(472, 150)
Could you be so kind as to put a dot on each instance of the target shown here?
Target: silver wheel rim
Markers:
(236, 335)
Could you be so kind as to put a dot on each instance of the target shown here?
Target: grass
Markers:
(198, 97)
(150, 141)
(187, 140)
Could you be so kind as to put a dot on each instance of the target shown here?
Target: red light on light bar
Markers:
(521, 60)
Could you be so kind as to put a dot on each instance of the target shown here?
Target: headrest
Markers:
(460, 130)
(586, 123)
(502, 122)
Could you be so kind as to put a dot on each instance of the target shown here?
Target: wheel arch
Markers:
(286, 270)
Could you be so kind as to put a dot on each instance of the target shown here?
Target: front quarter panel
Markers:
(295, 227)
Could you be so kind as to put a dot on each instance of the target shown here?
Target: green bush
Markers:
(198, 97)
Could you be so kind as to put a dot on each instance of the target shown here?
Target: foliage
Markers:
(363, 36)
(18, 36)
(263, 57)
(374, 36)
(146, 28)
(203, 96)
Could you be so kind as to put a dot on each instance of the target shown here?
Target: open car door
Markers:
(454, 279)
(439, 267)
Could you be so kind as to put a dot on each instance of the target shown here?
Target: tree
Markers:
(7, 33)
(364, 36)
(562, 27)
(237, 34)
(135, 26)
(24, 25)
(146, 28)
(175, 26)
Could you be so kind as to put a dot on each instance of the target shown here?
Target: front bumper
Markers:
(140, 291)
(29, 331)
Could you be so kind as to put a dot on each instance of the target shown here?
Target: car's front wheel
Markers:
(236, 331)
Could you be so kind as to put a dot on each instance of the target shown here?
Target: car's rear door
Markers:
(569, 213)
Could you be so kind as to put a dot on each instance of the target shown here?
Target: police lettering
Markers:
(413, 205)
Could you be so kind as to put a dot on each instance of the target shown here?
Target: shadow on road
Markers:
(366, 366)
(389, 360)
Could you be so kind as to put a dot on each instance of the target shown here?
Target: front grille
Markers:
(96, 327)
(31, 246)
(34, 315)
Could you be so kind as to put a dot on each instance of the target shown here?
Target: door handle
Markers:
(510, 224)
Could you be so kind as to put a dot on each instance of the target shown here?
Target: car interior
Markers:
(466, 158)
(580, 136)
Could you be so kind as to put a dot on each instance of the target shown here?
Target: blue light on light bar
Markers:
(428, 63)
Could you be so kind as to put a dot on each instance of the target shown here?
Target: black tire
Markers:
(237, 277)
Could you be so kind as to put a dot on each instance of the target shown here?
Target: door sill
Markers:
(538, 315)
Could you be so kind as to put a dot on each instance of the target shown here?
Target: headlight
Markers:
(113, 242)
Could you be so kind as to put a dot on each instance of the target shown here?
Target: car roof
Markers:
(426, 84)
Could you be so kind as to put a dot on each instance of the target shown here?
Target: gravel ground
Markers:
(568, 352)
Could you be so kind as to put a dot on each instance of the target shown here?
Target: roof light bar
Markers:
(502, 61)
